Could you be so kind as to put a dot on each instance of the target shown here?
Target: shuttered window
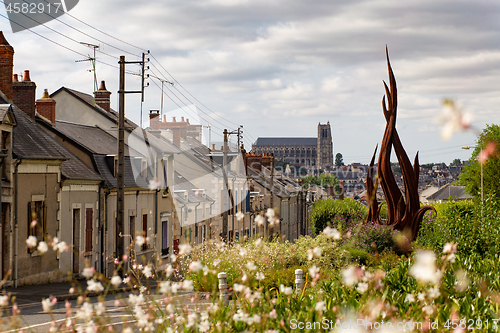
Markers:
(88, 229)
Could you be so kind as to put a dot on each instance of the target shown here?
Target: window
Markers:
(164, 237)
(88, 229)
(144, 168)
(37, 212)
(145, 230)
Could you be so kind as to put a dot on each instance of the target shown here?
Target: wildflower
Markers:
(449, 248)
(195, 266)
(410, 298)
(240, 215)
(204, 326)
(85, 312)
(100, 308)
(453, 119)
(332, 233)
(42, 247)
(260, 220)
(424, 269)
(165, 287)
(351, 275)
(147, 271)
(170, 308)
(487, 151)
(135, 299)
(362, 287)
(317, 252)
(313, 271)
(286, 290)
(243, 252)
(88, 272)
(216, 262)
(31, 241)
(421, 296)
(126, 280)
(61, 247)
(213, 308)
(184, 249)
(270, 213)
(273, 314)
(92, 285)
(173, 257)
(251, 266)
(428, 309)
(434, 292)
(154, 184)
(169, 270)
(4, 300)
(140, 240)
(258, 242)
(320, 306)
(116, 281)
(187, 285)
(259, 276)
(48, 303)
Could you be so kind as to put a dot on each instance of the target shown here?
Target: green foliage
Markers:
(471, 174)
(456, 161)
(324, 211)
(323, 180)
(333, 256)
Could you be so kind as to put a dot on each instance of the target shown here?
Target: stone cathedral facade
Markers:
(307, 152)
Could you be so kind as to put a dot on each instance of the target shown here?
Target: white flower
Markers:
(195, 266)
(184, 249)
(92, 285)
(42, 247)
(251, 266)
(100, 308)
(317, 252)
(187, 285)
(204, 326)
(434, 292)
(421, 296)
(173, 257)
(213, 308)
(85, 312)
(259, 220)
(410, 298)
(313, 271)
(362, 287)
(147, 271)
(453, 119)
(61, 247)
(169, 270)
(170, 308)
(240, 215)
(450, 248)
(165, 287)
(135, 299)
(332, 233)
(140, 240)
(320, 306)
(286, 290)
(350, 276)
(270, 214)
(259, 276)
(258, 242)
(154, 184)
(243, 252)
(428, 309)
(88, 272)
(424, 269)
(4, 300)
(47, 304)
(31, 241)
(238, 287)
(116, 281)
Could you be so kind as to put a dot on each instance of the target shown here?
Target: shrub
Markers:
(339, 213)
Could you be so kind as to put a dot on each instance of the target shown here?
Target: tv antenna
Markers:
(92, 59)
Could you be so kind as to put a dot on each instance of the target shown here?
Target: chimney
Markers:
(154, 118)
(46, 107)
(101, 97)
(173, 119)
(182, 119)
(164, 118)
(176, 136)
(16, 78)
(6, 66)
(213, 146)
(187, 121)
(23, 95)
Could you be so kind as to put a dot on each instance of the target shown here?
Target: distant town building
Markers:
(308, 152)
(180, 129)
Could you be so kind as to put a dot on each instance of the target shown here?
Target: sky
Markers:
(278, 68)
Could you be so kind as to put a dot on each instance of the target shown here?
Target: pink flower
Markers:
(488, 151)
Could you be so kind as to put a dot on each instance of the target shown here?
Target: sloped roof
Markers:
(103, 167)
(449, 191)
(181, 183)
(30, 141)
(286, 142)
(93, 138)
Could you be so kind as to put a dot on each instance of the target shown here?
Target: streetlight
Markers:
(482, 194)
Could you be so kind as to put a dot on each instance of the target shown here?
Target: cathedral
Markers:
(307, 152)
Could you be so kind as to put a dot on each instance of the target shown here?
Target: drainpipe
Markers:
(211, 219)
(106, 194)
(196, 217)
(234, 208)
(156, 222)
(16, 227)
(101, 230)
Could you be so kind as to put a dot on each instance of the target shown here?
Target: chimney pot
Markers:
(16, 78)
(182, 119)
(213, 146)
(102, 97)
(26, 76)
(46, 107)
(173, 119)
(164, 118)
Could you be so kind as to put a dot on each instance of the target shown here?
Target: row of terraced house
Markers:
(59, 168)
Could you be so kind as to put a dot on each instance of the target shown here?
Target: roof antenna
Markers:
(93, 60)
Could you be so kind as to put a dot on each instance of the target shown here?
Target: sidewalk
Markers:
(34, 294)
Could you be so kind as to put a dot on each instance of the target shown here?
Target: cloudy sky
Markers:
(281, 67)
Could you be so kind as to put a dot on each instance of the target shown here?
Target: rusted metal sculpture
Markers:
(404, 214)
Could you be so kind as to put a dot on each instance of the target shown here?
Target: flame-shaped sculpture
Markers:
(404, 214)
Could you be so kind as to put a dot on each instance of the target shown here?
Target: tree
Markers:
(339, 160)
(471, 174)
(324, 180)
(456, 161)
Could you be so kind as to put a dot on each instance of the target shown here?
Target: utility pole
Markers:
(272, 185)
(225, 229)
(120, 174)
